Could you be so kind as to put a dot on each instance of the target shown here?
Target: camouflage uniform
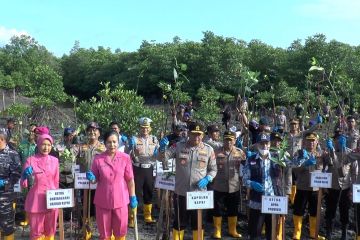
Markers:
(10, 170)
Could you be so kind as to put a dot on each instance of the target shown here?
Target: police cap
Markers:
(195, 127)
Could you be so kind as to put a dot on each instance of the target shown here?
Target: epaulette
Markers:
(84, 147)
(207, 145)
(101, 148)
(239, 153)
(238, 149)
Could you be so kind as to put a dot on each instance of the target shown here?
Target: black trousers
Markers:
(336, 198)
(230, 201)
(256, 221)
(357, 209)
(7, 215)
(144, 183)
(182, 215)
(303, 198)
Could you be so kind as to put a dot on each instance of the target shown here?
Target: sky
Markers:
(124, 24)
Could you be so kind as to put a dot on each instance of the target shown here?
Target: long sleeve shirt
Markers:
(264, 174)
(192, 164)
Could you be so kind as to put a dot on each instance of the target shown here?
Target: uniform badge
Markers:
(183, 162)
(203, 153)
(202, 164)
(236, 154)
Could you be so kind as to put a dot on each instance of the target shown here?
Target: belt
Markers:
(143, 165)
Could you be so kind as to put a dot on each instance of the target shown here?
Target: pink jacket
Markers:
(46, 173)
(112, 177)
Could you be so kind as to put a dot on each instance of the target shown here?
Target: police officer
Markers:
(86, 152)
(226, 184)
(213, 136)
(259, 176)
(281, 122)
(10, 172)
(352, 133)
(283, 180)
(351, 157)
(143, 150)
(299, 109)
(295, 139)
(195, 169)
(343, 176)
(304, 162)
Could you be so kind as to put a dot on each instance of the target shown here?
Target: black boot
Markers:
(344, 232)
(329, 228)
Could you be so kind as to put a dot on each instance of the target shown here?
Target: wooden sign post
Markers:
(59, 199)
(199, 224)
(320, 180)
(198, 201)
(165, 184)
(275, 205)
(61, 224)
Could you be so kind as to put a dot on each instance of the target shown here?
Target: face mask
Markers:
(264, 152)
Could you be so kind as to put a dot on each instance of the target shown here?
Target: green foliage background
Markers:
(211, 71)
(120, 105)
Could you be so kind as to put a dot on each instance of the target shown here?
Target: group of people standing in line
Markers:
(123, 167)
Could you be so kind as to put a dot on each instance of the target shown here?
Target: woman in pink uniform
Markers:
(42, 171)
(113, 173)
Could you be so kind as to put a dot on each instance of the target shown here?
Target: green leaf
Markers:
(183, 67)
(313, 61)
(316, 68)
(247, 89)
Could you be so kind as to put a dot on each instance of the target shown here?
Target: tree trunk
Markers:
(3, 99)
(14, 94)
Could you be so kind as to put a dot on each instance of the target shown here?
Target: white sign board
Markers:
(162, 181)
(199, 200)
(75, 169)
(321, 180)
(274, 205)
(17, 187)
(158, 168)
(356, 193)
(82, 183)
(60, 198)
